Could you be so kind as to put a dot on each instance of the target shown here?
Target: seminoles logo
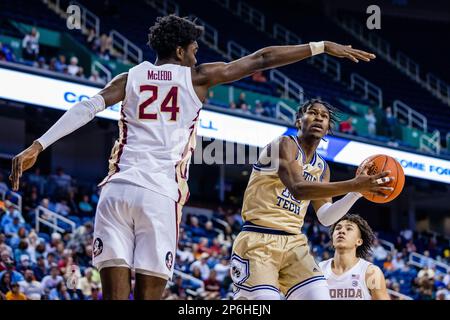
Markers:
(169, 260)
(97, 247)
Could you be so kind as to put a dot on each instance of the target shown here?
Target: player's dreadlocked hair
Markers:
(332, 111)
(367, 235)
(172, 31)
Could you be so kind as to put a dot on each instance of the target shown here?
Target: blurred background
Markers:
(399, 105)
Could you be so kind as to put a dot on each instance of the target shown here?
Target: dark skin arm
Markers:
(112, 93)
(291, 174)
(208, 75)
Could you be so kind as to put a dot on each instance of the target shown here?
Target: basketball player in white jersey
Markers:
(140, 205)
(349, 275)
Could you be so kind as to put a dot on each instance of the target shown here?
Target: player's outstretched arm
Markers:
(210, 74)
(74, 118)
(291, 174)
(376, 283)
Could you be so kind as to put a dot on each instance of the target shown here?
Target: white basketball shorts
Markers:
(137, 228)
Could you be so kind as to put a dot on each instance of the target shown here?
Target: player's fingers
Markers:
(382, 174)
(380, 194)
(360, 56)
(351, 57)
(365, 54)
(386, 188)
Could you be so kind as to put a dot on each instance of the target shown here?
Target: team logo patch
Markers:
(97, 247)
(239, 269)
(169, 260)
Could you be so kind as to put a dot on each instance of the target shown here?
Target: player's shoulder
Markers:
(325, 263)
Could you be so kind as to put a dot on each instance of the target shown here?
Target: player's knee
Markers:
(257, 295)
(317, 290)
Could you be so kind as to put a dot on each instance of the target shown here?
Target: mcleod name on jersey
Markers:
(157, 130)
(268, 204)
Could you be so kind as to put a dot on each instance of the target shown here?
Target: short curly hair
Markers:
(367, 235)
(170, 32)
(332, 111)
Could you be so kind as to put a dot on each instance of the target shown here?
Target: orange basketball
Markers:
(380, 163)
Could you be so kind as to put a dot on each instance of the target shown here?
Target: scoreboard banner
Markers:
(62, 94)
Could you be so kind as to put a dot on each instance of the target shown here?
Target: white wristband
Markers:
(317, 47)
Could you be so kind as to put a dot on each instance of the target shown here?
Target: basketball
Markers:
(382, 162)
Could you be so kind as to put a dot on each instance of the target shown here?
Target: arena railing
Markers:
(210, 36)
(291, 88)
(388, 245)
(50, 219)
(18, 197)
(405, 64)
(131, 51)
(413, 118)
(420, 261)
(326, 64)
(369, 90)
(164, 7)
(97, 65)
(281, 110)
(431, 144)
(251, 15)
(284, 35)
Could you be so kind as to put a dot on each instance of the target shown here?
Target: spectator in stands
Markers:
(105, 46)
(259, 77)
(11, 229)
(30, 287)
(222, 269)
(15, 293)
(411, 247)
(60, 64)
(6, 53)
(5, 284)
(35, 179)
(52, 66)
(59, 292)
(22, 250)
(73, 67)
(259, 109)
(379, 252)
(49, 282)
(40, 270)
(177, 288)
(398, 262)
(91, 37)
(30, 45)
(95, 294)
(212, 286)
(87, 283)
(241, 101)
(371, 122)
(3, 186)
(85, 206)
(209, 230)
(41, 64)
(202, 266)
(95, 77)
(346, 126)
(60, 183)
(233, 106)
(62, 208)
(389, 122)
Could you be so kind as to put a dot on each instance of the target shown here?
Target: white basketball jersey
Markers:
(350, 285)
(157, 130)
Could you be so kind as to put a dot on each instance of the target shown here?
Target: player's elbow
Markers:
(324, 216)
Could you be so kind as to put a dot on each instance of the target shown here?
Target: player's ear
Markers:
(179, 52)
(298, 123)
(359, 242)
